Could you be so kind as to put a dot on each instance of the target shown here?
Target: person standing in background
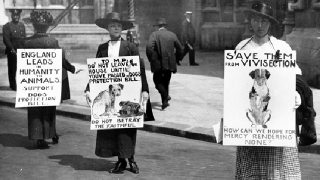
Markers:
(163, 51)
(188, 38)
(14, 33)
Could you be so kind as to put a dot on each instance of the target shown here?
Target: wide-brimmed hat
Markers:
(261, 9)
(15, 11)
(160, 21)
(113, 17)
(40, 17)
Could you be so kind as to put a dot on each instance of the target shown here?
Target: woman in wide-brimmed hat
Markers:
(266, 162)
(118, 142)
(42, 120)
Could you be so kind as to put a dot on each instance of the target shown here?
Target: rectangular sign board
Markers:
(259, 98)
(115, 91)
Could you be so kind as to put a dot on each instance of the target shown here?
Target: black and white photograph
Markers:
(159, 89)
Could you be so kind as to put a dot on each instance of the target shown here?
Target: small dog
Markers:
(129, 109)
(259, 98)
(103, 104)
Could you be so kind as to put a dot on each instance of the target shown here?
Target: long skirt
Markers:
(256, 163)
(116, 142)
(41, 122)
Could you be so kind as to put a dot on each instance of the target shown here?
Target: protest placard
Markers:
(115, 90)
(39, 76)
(259, 98)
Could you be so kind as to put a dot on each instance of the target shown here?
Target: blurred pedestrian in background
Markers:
(42, 120)
(188, 38)
(260, 162)
(163, 51)
(118, 142)
(14, 33)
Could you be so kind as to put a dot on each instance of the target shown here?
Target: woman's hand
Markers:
(87, 95)
(297, 100)
(145, 96)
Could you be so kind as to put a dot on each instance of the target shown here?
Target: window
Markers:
(87, 3)
(56, 2)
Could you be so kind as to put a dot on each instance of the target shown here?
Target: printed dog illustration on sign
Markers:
(129, 109)
(103, 103)
(259, 114)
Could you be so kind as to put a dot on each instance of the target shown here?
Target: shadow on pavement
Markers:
(16, 140)
(79, 162)
(156, 105)
(4, 88)
(314, 149)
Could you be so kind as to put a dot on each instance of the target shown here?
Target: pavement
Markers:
(196, 91)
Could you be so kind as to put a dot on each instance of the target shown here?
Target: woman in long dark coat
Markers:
(42, 120)
(118, 142)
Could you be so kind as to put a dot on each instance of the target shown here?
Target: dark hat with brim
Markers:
(113, 17)
(160, 21)
(15, 11)
(263, 10)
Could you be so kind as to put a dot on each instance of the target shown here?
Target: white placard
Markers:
(39, 77)
(259, 98)
(115, 90)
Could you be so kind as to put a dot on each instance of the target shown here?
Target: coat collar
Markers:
(37, 35)
(122, 50)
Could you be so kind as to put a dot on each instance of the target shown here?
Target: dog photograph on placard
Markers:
(104, 102)
(259, 96)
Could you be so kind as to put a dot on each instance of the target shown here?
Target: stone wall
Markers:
(221, 36)
(75, 36)
(306, 42)
(305, 39)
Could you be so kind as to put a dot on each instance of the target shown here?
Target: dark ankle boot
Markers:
(42, 144)
(119, 167)
(55, 140)
(134, 167)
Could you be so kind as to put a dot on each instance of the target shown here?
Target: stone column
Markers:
(288, 21)
(4, 19)
(131, 34)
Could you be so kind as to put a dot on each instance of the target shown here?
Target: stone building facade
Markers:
(219, 24)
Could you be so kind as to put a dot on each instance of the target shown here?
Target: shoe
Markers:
(55, 140)
(120, 167)
(165, 105)
(178, 63)
(134, 167)
(194, 64)
(42, 144)
(169, 98)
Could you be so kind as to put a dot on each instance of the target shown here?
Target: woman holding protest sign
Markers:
(260, 162)
(42, 119)
(118, 142)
